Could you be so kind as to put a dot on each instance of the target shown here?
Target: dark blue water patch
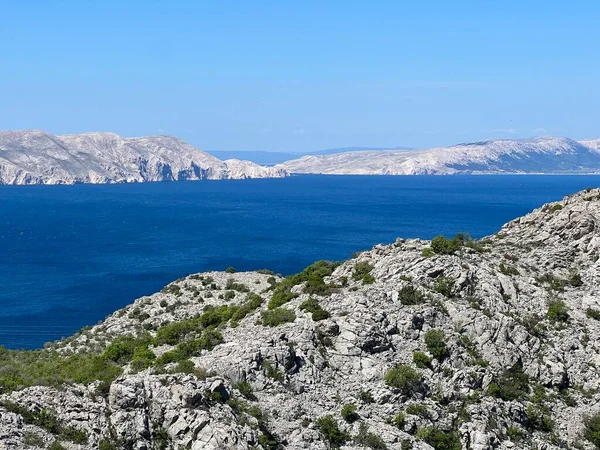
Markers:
(70, 255)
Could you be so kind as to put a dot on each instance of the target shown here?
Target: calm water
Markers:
(70, 255)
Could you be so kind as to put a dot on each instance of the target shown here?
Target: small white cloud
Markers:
(539, 130)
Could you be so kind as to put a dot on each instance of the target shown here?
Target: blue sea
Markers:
(70, 255)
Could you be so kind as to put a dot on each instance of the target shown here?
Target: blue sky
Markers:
(301, 76)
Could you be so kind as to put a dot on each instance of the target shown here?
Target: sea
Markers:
(71, 255)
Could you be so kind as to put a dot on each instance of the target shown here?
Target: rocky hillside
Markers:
(443, 344)
(537, 155)
(36, 157)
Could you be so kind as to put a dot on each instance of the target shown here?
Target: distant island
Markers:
(37, 157)
(543, 155)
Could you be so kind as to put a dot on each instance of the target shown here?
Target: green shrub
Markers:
(421, 360)
(538, 419)
(368, 439)
(592, 429)
(575, 279)
(240, 287)
(252, 303)
(122, 348)
(277, 316)
(593, 313)
(281, 297)
(557, 311)
(245, 389)
(399, 420)
(230, 270)
(105, 444)
(349, 413)
(513, 384)
(416, 409)
(33, 439)
(174, 332)
(404, 378)
(142, 358)
(362, 272)
(444, 246)
(508, 269)
(271, 371)
(408, 296)
(438, 439)
(56, 445)
(213, 316)
(435, 341)
(427, 252)
(330, 430)
(366, 397)
(229, 295)
(554, 283)
(312, 306)
(444, 286)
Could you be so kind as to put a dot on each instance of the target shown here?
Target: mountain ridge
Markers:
(533, 155)
(38, 157)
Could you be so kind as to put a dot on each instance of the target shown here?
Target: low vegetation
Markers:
(404, 378)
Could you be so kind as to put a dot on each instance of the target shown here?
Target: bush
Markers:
(435, 341)
(444, 286)
(592, 313)
(252, 303)
(408, 296)
(362, 271)
(444, 246)
(557, 311)
(271, 371)
(438, 439)
(122, 348)
(575, 279)
(368, 439)
(245, 389)
(404, 378)
(421, 360)
(366, 397)
(416, 409)
(330, 430)
(349, 413)
(142, 358)
(312, 306)
(555, 283)
(513, 384)
(592, 429)
(277, 316)
(240, 287)
(230, 270)
(106, 445)
(399, 420)
(538, 419)
(280, 298)
(174, 332)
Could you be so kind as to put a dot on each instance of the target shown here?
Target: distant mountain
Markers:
(272, 158)
(37, 157)
(536, 155)
(333, 151)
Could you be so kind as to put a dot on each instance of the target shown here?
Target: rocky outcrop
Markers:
(489, 344)
(36, 157)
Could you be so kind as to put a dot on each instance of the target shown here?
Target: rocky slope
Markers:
(537, 155)
(444, 344)
(36, 157)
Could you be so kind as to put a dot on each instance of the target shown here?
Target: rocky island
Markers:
(37, 157)
(541, 155)
(452, 343)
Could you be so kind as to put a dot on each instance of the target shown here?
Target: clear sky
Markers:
(302, 75)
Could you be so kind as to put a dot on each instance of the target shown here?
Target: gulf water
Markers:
(70, 255)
